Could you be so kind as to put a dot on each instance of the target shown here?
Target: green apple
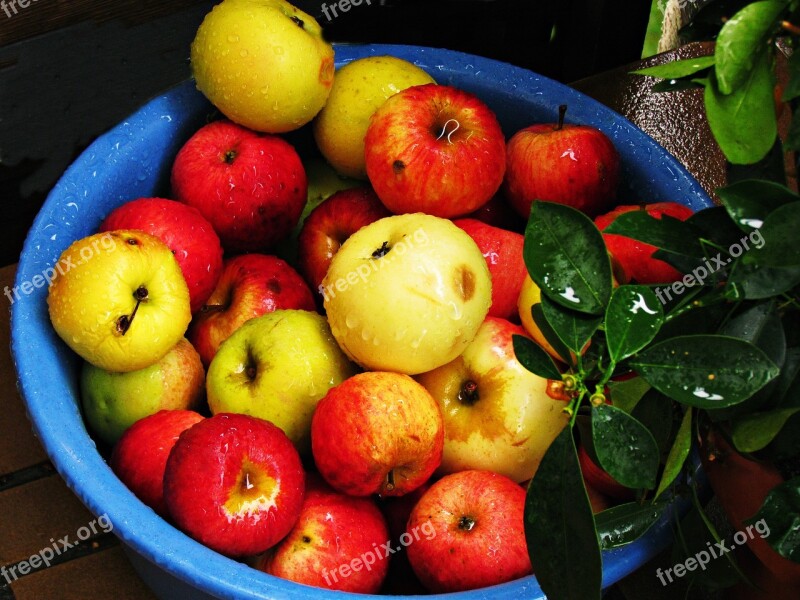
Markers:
(112, 402)
(278, 367)
(263, 64)
(359, 88)
(498, 416)
(406, 293)
(119, 299)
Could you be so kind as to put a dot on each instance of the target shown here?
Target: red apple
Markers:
(234, 483)
(503, 253)
(337, 543)
(377, 432)
(576, 165)
(251, 187)
(250, 286)
(329, 225)
(140, 456)
(596, 477)
(635, 258)
(187, 233)
(478, 533)
(434, 149)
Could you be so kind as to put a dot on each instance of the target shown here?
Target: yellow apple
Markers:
(529, 296)
(498, 416)
(263, 64)
(112, 402)
(277, 367)
(406, 293)
(119, 299)
(359, 88)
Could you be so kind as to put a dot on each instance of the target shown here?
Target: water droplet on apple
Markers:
(351, 322)
(243, 53)
(233, 38)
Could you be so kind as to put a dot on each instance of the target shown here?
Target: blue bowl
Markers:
(133, 160)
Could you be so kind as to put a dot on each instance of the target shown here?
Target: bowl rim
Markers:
(86, 473)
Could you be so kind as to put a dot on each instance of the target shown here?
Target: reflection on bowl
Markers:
(134, 160)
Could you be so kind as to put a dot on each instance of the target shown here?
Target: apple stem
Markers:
(562, 112)
(468, 394)
(382, 251)
(389, 481)
(444, 130)
(124, 322)
(466, 523)
(298, 21)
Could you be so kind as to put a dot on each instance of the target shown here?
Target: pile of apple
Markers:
(317, 418)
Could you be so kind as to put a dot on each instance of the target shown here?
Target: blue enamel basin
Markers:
(132, 160)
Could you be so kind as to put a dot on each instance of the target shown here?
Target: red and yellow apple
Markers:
(498, 416)
(434, 149)
(479, 536)
(234, 483)
(377, 433)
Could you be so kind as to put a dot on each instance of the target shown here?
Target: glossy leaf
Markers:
(566, 257)
(559, 526)
(625, 448)
(626, 523)
(678, 68)
(743, 38)
(777, 244)
(778, 519)
(744, 122)
(750, 202)
(753, 432)
(716, 226)
(756, 282)
(547, 331)
(677, 454)
(655, 411)
(531, 356)
(626, 394)
(573, 328)
(706, 371)
(633, 318)
(667, 232)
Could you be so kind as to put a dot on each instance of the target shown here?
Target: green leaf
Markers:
(531, 356)
(626, 394)
(675, 85)
(625, 448)
(633, 318)
(706, 371)
(753, 432)
(792, 141)
(655, 411)
(547, 331)
(744, 122)
(742, 40)
(677, 454)
(756, 282)
(667, 232)
(717, 227)
(560, 528)
(566, 257)
(750, 202)
(778, 519)
(778, 245)
(678, 68)
(574, 329)
(626, 523)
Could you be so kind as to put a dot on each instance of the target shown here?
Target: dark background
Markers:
(71, 69)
